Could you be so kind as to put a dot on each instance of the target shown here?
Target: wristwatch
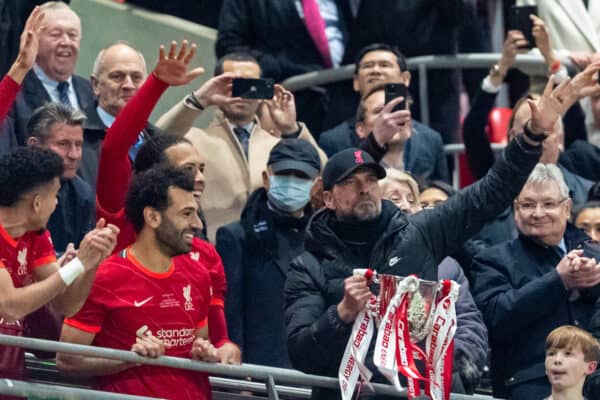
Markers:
(495, 71)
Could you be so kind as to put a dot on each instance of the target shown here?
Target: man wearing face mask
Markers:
(258, 249)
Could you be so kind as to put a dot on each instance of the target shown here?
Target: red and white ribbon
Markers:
(352, 365)
(440, 343)
(387, 346)
(406, 349)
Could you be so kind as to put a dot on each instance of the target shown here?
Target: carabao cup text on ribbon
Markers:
(352, 365)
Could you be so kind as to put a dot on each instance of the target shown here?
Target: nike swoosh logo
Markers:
(141, 303)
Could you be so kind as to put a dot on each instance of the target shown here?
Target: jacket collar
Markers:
(322, 240)
(573, 237)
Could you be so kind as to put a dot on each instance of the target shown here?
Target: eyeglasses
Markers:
(548, 205)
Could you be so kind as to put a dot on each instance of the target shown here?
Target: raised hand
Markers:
(217, 91)
(515, 43)
(585, 83)
(551, 105)
(283, 110)
(28, 45)
(172, 67)
(542, 38)
(581, 58)
(388, 123)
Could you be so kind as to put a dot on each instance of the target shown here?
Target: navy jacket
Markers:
(522, 299)
(423, 155)
(74, 215)
(256, 253)
(94, 131)
(34, 95)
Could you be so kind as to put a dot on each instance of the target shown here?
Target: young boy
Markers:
(571, 355)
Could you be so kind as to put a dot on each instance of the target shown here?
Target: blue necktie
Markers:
(63, 93)
(244, 137)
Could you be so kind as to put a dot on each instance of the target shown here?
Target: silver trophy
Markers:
(422, 301)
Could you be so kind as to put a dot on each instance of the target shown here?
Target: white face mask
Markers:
(289, 193)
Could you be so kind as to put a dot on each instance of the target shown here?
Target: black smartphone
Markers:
(519, 21)
(591, 249)
(253, 88)
(393, 90)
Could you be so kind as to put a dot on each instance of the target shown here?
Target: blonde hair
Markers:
(395, 175)
(572, 336)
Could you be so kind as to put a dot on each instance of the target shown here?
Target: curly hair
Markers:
(151, 189)
(152, 152)
(26, 169)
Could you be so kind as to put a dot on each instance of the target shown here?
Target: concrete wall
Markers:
(105, 21)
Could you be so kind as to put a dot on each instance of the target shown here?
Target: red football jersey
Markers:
(20, 257)
(126, 297)
(201, 251)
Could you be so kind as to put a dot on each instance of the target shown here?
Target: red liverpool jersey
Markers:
(20, 257)
(126, 297)
(202, 251)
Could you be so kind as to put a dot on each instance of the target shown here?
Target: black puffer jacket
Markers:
(414, 244)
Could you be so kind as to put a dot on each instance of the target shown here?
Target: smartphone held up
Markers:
(253, 88)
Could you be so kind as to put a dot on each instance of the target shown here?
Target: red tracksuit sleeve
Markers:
(114, 169)
(8, 93)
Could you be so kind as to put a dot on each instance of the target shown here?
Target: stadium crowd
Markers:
(107, 221)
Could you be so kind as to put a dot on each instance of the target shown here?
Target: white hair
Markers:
(543, 173)
(97, 69)
(55, 5)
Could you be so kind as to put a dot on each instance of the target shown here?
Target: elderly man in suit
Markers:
(234, 146)
(52, 77)
(118, 73)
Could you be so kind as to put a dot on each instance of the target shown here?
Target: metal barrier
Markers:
(269, 374)
(20, 388)
(532, 64)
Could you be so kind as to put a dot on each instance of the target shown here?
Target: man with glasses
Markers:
(528, 286)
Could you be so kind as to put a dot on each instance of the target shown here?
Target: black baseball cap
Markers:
(344, 163)
(295, 154)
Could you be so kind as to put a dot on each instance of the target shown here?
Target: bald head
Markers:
(118, 73)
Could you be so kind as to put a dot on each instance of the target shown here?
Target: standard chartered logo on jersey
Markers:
(176, 337)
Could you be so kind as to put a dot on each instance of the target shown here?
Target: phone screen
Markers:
(253, 88)
(519, 20)
(393, 90)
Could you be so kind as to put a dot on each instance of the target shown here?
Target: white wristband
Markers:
(71, 271)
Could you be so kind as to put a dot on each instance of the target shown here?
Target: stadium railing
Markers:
(531, 64)
(298, 383)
